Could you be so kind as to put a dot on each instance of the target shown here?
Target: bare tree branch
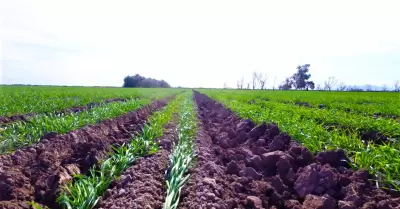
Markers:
(369, 87)
(254, 80)
(330, 83)
(342, 86)
(384, 87)
(242, 83)
(396, 86)
(262, 79)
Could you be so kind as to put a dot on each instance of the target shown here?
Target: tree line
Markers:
(300, 80)
(138, 81)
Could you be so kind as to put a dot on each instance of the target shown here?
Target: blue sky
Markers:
(197, 44)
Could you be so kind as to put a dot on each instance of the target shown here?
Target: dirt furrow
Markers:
(142, 185)
(36, 173)
(76, 109)
(241, 165)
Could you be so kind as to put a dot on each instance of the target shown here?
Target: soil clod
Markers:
(260, 167)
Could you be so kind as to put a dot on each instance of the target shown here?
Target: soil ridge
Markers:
(143, 184)
(241, 165)
(4, 120)
(35, 173)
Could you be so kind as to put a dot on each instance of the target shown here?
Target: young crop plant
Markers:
(29, 99)
(381, 160)
(22, 134)
(84, 191)
(45, 99)
(182, 156)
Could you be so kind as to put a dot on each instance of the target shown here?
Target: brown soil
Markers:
(142, 185)
(26, 117)
(243, 166)
(36, 173)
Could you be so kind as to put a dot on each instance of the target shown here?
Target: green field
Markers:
(40, 99)
(90, 138)
(365, 124)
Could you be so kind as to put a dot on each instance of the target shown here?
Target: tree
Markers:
(273, 86)
(300, 78)
(133, 81)
(242, 83)
(287, 84)
(368, 87)
(248, 86)
(384, 87)
(254, 80)
(310, 85)
(138, 81)
(319, 88)
(330, 83)
(396, 86)
(226, 85)
(262, 80)
(342, 86)
(164, 84)
(354, 88)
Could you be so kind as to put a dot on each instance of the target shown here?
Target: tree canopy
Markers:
(138, 81)
(299, 80)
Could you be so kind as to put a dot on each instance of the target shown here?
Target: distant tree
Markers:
(262, 80)
(164, 84)
(254, 80)
(248, 86)
(330, 83)
(242, 83)
(300, 78)
(368, 87)
(384, 87)
(396, 86)
(273, 86)
(226, 85)
(148, 83)
(318, 88)
(138, 81)
(354, 88)
(133, 81)
(342, 86)
(287, 84)
(310, 85)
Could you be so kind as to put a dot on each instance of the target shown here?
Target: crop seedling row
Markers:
(380, 160)
(182, 156)
(84, 191)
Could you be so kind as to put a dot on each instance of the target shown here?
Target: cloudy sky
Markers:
(197, 43)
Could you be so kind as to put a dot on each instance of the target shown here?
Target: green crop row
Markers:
(341, 119)
(328, 117)
(182, 156)
(84, 191)
(365, 103)
(383, 161)
(40, 99)
(21, 134)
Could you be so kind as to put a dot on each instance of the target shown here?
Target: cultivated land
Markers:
(80, 147)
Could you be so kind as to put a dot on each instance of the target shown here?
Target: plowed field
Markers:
(187, 149)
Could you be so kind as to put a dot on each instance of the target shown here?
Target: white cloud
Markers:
(203, 43)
